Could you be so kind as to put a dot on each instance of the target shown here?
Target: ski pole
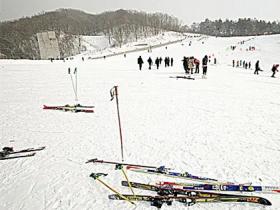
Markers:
(114, 92)
(76, 73)
(119, 166)
(72, 81)
(95, 160)
(96, 176)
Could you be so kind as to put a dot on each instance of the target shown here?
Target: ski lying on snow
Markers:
(223, 187)
(171, 190)
(166, 172)
(158, 201)
(9, 150)
(70, 108)
(17, 156)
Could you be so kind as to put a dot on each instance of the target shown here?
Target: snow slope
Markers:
(224, 127)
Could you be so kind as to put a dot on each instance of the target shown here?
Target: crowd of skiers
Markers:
(158, 61)
(191, 65)
(247, 65)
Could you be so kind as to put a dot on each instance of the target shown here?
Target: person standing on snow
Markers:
(157, 62)
(191, 64)
(204, 66)
(196, 63)
(140, 62)
(257, 67)
(274, 69)
(171, 61)
(150, 62)
(185, 64)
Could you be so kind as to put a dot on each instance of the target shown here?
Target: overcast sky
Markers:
(188, 11)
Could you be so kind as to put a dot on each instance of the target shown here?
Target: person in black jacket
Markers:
(140, 62)
(150, 62)
(274, 69)
(204, 66)
(157, 62)
(257, 67)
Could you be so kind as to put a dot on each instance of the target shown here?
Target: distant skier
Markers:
(171, 61)
(233, 63)
(140, 62)
(257, 67)
(150, 62)
(160, 60)
(204, 66)
(274, 69)
(157, 62)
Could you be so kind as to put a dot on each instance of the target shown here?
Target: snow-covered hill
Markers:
(225, 126)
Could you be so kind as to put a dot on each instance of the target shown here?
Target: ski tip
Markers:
(264, 201)
(277, 191)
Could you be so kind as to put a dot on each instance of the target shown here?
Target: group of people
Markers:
(247, 65)
(240, 63)
(191, 63)
(167, 62)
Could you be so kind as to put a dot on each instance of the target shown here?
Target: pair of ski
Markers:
(166, 195)
(9, 153)
(71, 108)
(183, 77)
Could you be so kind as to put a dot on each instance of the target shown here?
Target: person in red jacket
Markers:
(196, 62)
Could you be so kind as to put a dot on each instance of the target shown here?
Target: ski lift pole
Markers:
(96, 176)
(114, 92)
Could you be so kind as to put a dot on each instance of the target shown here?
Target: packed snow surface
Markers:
(225, 126)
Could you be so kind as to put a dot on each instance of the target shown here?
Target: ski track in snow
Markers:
(224, 127)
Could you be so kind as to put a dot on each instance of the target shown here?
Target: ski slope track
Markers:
(224, 127)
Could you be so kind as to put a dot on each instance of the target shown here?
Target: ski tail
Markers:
(17, 156)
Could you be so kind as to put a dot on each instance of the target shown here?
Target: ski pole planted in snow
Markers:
(96, 176)
(114, 92)
(74, 84)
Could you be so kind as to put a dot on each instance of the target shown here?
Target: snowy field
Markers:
(225, 126)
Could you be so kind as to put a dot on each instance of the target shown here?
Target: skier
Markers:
(274, 69)
(157, 62)
(204, 66)
(257, 67)
(150, 62)
(140, 62)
